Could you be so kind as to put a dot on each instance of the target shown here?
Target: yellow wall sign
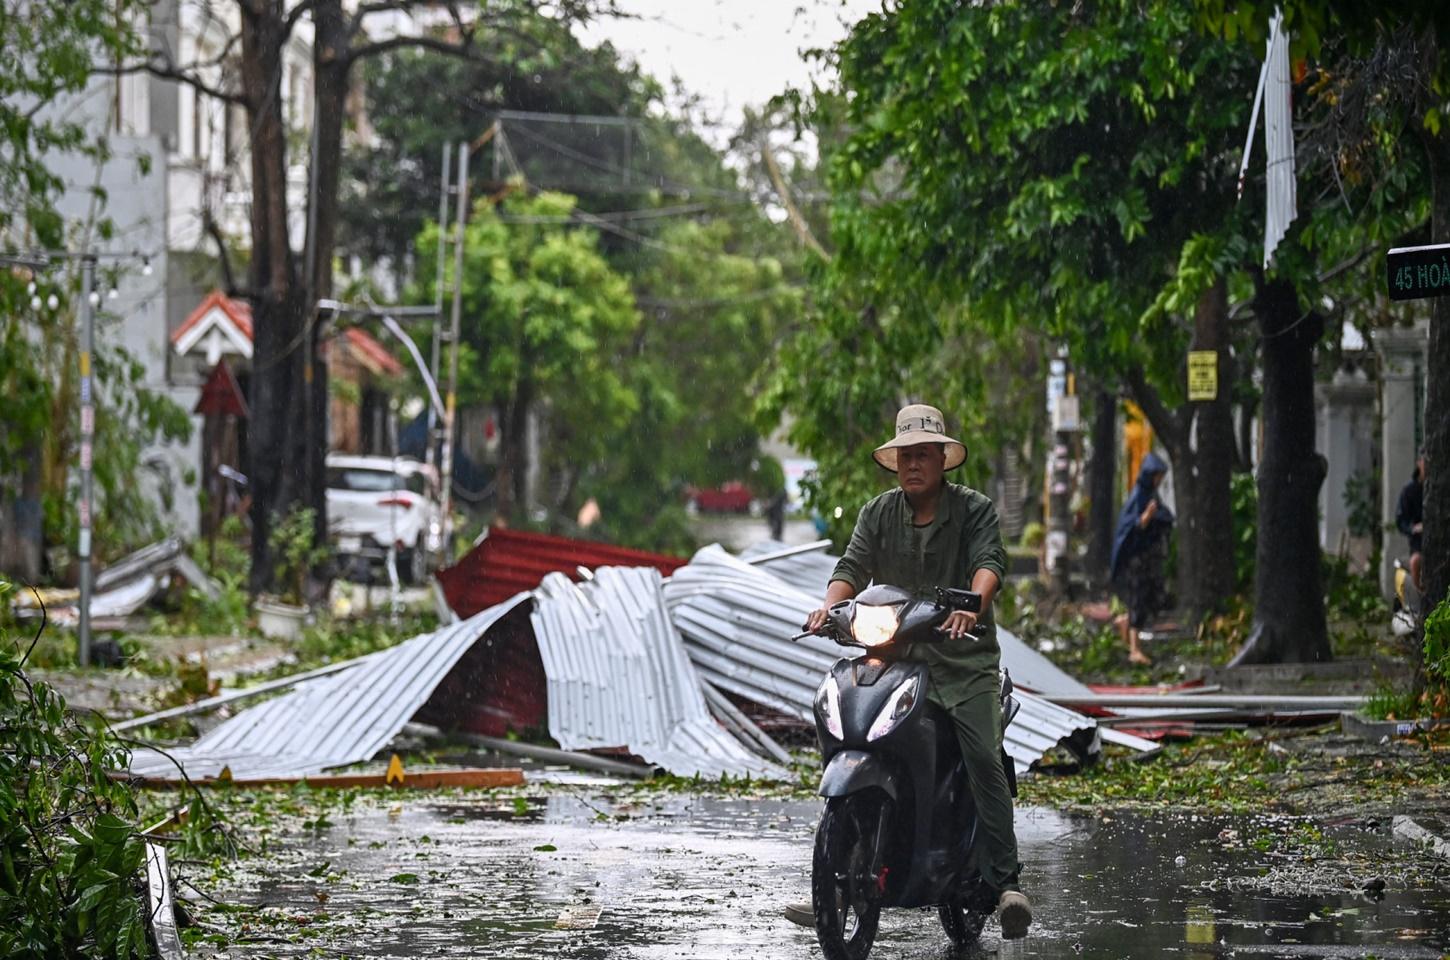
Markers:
(1202, 375)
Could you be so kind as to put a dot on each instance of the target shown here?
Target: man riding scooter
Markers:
(931, 533)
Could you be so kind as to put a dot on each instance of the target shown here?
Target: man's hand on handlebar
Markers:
(959, 624)
(815, 620)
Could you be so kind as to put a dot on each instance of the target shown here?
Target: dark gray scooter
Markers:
(899, 827)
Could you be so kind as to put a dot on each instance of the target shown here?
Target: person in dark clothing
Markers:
(926, 533)
(1410, 518)
(1140, 549)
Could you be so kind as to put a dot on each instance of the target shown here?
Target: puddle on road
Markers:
(687, 876)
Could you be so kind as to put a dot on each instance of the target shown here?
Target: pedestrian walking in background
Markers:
(1410, 518)
(1140, 552)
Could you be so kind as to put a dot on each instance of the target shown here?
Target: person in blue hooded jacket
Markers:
(1140, 551)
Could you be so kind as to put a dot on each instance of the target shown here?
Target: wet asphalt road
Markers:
(589, 873)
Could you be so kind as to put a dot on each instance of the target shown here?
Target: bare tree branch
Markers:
(782, 190)
(295, 14)
(399, 43)
(213, 230)
(1166, 422)
(169, 71)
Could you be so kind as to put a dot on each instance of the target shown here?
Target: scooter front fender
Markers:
(851, 771)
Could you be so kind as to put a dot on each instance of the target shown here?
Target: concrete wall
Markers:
(1402, 412)
(134, 319)
(1345, 432)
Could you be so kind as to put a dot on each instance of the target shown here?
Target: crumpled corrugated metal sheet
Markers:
(808, 572)
(737, 621)
(1280, 195)
(618, 675)
(332, 721)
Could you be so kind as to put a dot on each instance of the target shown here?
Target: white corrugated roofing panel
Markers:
(619, 676)
(332, 721)
(1281, 199)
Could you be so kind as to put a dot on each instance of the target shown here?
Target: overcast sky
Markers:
(730, 53)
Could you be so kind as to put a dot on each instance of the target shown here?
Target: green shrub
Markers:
(1437, 658)
(1349, 595)
(1032, 535)
(71, 855)
(295, 552)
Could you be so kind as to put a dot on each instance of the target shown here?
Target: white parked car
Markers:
(374, 502)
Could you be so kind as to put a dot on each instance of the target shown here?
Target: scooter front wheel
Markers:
(962, 921)
(845, 889)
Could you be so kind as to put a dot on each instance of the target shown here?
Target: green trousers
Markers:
(978, 723)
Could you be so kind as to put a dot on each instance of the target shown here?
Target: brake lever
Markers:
(979, 632)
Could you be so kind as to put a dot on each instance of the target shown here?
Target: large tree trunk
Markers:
(1102, 487)
(331, 64)
(1213, 462)
(1436, 552)
(277, 448)
(289, 428)
(1289, 623)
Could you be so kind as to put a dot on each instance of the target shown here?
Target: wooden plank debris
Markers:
(469, 777)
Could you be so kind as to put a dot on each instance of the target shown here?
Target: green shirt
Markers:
(963, 537)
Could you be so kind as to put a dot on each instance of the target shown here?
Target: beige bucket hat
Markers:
(919, 423)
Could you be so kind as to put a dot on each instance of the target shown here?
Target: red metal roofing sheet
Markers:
(508, 561)
(498, 686)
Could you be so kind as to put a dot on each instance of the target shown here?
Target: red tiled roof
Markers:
(238, 311)
(509, 561)
(370, 352)
(373, 355)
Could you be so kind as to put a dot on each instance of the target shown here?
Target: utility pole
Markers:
(430, 451)
(451, 407)
(1063, 406)
(39, 260)
(88, 432)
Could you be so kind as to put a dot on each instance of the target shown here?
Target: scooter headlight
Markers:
(898, 706)
(872, 626)
(828, 707)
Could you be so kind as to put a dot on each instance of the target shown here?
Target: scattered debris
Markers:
(467, 777)
(578, 918)
(123, 587)
(531, 751)
(1408, 829)
(1378, 731)
(160, 907)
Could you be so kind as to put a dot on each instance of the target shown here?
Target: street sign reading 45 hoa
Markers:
(1419, 272)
